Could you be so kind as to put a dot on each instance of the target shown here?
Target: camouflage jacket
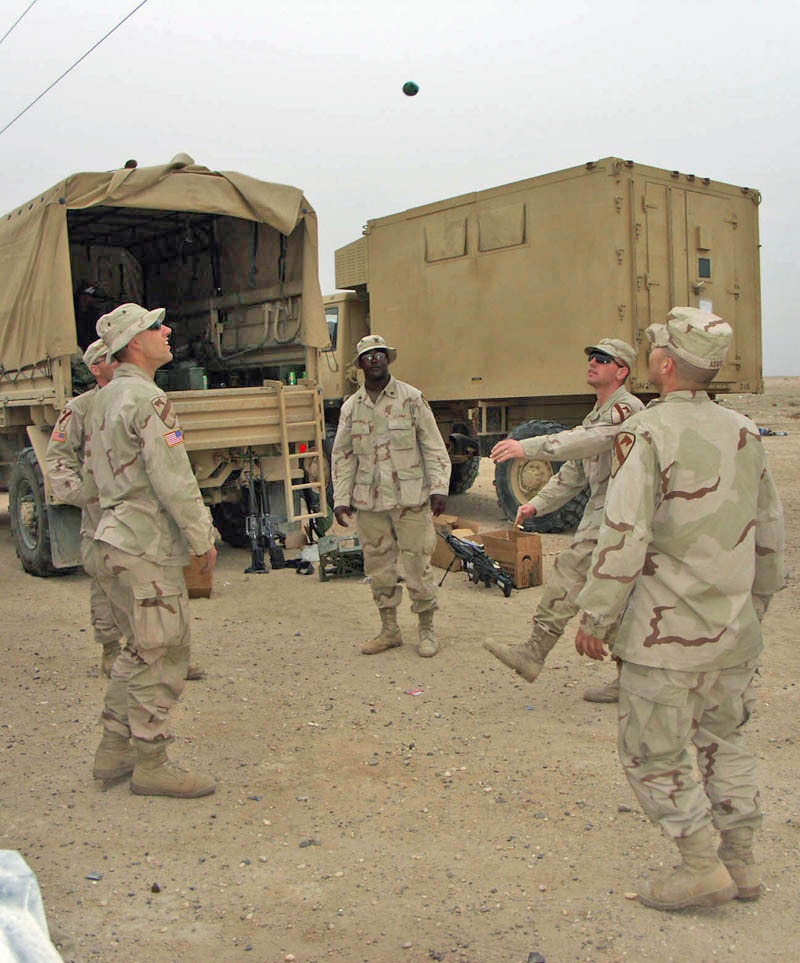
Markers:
(388, 454)
(64, 460)
(693, 531)
(137, 463)
(586, 453)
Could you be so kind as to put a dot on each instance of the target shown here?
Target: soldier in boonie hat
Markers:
(95, 353)
(699, 338)
(120, 326)
(615, 348)
(374, 342)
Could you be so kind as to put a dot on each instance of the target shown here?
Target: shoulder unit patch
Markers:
(623, 445)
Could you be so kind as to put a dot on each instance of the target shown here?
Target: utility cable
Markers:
(70, 69)
(17, 20)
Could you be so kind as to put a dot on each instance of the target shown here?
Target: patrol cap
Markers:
(122, 324)
(95, 353)
(373, 342)
(698, 337)
(619, 350)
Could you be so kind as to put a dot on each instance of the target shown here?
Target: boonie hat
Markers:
(373, 342)
(619, 350)
(95, 353)
(698, 337)
(122, 324)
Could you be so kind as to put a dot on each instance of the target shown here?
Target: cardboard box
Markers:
(198, 584)
(519, 554)
(454, 525)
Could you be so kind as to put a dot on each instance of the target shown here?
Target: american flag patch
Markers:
(174, 437)
(58, 435)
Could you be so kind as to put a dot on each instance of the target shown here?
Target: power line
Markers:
(17, 20)
(70, 69)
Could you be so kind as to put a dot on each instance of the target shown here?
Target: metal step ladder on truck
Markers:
(491, 297)
(234, 261)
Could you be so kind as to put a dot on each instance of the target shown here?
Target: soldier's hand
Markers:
(524, 511)
(589, 645)
(342, 513)
(505, 450)
(210, 560)
(438, 504)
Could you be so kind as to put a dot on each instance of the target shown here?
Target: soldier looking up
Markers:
(586, 453)
(391, 467)
(153, 516)
(691, 550)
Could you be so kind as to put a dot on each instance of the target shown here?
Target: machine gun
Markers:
(259, 527)
(476, 563)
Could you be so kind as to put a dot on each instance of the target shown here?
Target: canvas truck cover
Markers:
(37, 319)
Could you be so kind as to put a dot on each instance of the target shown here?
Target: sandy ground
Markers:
(481, 820)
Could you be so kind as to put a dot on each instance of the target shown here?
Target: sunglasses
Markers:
(155, 326)
(371, 355)
(603, 358)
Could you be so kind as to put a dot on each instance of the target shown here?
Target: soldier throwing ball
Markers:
(391, 467)
(692, 544)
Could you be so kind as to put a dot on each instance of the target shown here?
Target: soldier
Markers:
(64, 463)
(586, 453)
(153, 516)
(391, 466)
(692, 544)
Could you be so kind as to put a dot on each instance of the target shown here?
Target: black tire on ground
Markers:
(27, 508)
(230, 517)
(463, 475)
(518, 480)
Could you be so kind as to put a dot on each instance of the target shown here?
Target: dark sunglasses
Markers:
(603, 358)
(155, 326)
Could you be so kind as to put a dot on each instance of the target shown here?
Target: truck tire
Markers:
(27, 508)
(518, 480)
(229, 518)
(463, 475)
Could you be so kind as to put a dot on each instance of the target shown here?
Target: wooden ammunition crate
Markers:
(519, 554)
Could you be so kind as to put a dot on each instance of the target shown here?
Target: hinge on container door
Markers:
(733, 220)
(637, 230)
(618, 202)
(620, 254)
(735, 292)
(621, 312)
(649, 282)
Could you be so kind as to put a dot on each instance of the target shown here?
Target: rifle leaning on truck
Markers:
(479, 566)
(259, 527)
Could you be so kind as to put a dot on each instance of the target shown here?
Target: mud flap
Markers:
(64, 522)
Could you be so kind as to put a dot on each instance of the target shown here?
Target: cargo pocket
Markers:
(160, 617)
(411, 481)
(656, 718)
(360, 438)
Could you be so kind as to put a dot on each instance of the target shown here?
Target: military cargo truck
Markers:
(491, 297)
(234, 261)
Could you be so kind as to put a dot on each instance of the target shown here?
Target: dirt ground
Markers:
(479, 821)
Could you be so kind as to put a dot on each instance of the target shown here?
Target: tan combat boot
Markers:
(155, 775)
(526, 660)
(604, 693)
(389, 636)
(736, 851)
(428, 646)
(110, 652)
(114, 757)
(700, 880)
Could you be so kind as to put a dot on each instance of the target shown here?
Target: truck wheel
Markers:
(463, 475)
(518, 480)
(229, 517)
(27, 508)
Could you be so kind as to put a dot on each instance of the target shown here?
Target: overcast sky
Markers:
(309, 93)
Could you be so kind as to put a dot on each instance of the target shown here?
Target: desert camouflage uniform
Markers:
(586, 453)
(388, 459)
(692, 543)
(64, 461)
(152, 517)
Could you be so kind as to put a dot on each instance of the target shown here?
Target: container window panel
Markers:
(501, 227)
(445, 238)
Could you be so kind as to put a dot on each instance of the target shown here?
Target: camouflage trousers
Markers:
(558, 602)
(388, 537)
(662, 711)
(101, 615)
(151, 606)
